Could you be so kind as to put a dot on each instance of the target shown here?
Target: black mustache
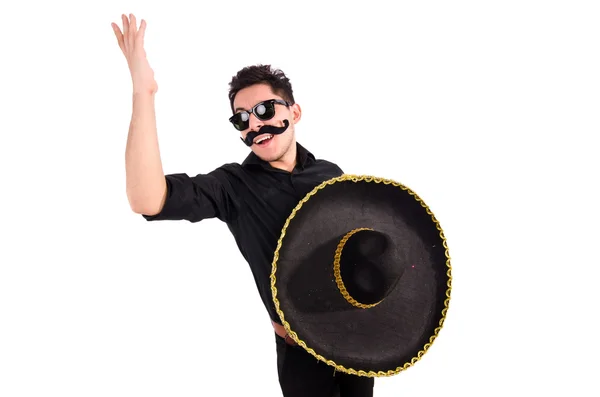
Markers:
(265, 129)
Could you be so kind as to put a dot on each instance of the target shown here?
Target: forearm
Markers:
(146, 187)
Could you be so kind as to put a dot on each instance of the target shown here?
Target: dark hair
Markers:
(264, 74)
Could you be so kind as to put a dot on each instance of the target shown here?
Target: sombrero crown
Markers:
(361, 275)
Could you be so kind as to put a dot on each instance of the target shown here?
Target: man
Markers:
(253, 198)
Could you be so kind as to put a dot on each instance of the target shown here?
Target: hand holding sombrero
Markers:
(361, 275)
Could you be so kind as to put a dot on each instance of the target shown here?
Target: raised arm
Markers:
(145, 179)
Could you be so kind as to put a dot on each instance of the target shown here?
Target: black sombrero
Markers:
(361, 275)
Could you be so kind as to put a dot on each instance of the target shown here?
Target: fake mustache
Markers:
(265, 129)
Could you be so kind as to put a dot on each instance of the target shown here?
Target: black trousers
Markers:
(301, 374)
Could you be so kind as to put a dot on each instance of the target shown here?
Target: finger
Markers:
(132, 31)
(141, 33)
(133, 26)
(119, 36)
(125, 32)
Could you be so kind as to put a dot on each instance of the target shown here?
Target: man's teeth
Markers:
(263, 138)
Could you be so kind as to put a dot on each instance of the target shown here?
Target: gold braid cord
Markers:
(294, 336)
(338, 275)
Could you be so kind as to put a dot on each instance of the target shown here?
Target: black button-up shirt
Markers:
(253, 199)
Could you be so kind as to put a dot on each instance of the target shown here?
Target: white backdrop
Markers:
(488, 111)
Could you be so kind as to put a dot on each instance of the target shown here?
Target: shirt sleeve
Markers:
(199, 197)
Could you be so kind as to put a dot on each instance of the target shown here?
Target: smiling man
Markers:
(253, 198)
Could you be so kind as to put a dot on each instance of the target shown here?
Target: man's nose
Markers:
(255, 123)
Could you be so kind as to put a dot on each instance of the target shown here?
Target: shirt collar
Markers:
(303, 156)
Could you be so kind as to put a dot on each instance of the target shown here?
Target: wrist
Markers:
(143, 94)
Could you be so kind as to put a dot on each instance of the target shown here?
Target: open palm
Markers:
(131, 42)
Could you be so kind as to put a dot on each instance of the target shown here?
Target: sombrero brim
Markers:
(377, 341)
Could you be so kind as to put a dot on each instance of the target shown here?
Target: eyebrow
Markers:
(238, 108)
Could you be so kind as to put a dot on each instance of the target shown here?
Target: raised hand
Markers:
(131, 42)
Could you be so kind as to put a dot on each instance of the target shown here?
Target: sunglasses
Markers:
(263, 111)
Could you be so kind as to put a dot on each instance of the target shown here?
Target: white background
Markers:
(488, 110)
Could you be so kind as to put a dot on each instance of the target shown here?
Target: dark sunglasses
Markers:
(263, 111)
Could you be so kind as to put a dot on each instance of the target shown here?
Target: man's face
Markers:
(274, 148)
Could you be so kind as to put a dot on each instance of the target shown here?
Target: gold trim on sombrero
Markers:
(338, 275)
(294, 336)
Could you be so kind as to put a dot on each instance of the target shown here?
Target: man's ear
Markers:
(296, 112)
